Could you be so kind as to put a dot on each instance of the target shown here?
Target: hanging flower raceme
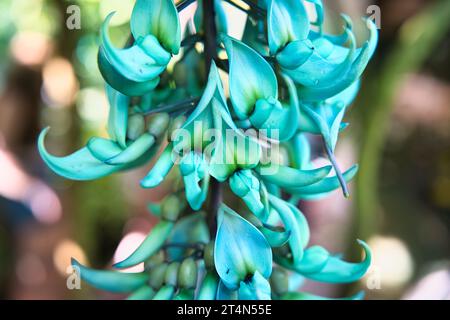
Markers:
(244, 127)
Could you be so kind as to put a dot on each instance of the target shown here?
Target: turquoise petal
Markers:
(328, 119)
(195, 174)
(134, 151)
(339, 79)
(152, 243)
(324, 186)
(308, 296)
(258, 288)
(240, 249)
(246, 186)
(339, 271)
(103, 149)
(112, 281)
(299, 152)
(272, 117)
(287, 177)
(81, 165)
(314, 259)
(118, 116)
(319, 265)
(318, 4)
(251, 77)
(121, 83)
(287, 20)
(209, 286)
(160, 19)
(295, 54)
(160, 170)
(347, 96)
(223, 293)
(275, 238)
(144, 293)
(294, 221)
(142, 63)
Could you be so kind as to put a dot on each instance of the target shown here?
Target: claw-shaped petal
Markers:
(134, 151)
(160, 170)
(287, 177)
(251, 77)
(246, 186)
(287, 20)
(80, 165)
(152, 243)
(132, 71)
(112, 281)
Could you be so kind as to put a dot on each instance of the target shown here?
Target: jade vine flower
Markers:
(247, 131)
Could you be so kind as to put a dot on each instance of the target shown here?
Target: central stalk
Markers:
(210, 53)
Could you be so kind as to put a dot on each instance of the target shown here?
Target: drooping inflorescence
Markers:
(286, 78)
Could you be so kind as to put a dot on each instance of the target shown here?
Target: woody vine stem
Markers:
(210, 52)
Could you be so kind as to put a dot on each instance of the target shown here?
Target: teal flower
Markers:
(319, 64)
(194, 137)
(242, 256)
(254, 92)
(135, 70)
(130, 146)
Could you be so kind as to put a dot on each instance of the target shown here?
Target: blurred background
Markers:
(399, 133)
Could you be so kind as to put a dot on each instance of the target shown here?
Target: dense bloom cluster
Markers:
(285, 78)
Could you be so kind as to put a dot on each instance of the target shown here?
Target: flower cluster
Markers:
(286, 79)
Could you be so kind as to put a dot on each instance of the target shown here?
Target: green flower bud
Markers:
(157, 275)
(187, 274)
(170, 208)
(158, 124)
(154, 260)
(176, 124)
(279, 281)
(208, 256)
(136, 126)
(171, 276)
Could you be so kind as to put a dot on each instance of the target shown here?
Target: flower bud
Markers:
(158, 124)
(187, 274)
(157, 275)
(170, 208)
(136, 126)
(171, 276)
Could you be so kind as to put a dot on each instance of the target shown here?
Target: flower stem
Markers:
(337, 169)
(175, 107)
(183, 5)
(210, 42)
